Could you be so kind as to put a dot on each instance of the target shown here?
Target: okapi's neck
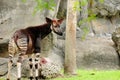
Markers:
(44, 29)
(45, 26)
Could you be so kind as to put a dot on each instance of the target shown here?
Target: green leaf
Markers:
(76, 5)
(83, 2)
(24, 1)
(86, 31)
(43, 5)
(35, 10)
(101, 1)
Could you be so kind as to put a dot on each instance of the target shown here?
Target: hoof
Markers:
(18, 79)
(31, 78)
(36, 78)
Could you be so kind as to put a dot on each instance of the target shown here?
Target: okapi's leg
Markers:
(12, 50)
(10, 62)
(22, 43)
(37, 56)
(36, 66)
(31, 68)
(19, 62)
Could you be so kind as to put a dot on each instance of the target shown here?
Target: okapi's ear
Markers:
(48, 20)
(60, 20)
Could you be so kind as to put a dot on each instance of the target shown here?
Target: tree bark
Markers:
(70, 42)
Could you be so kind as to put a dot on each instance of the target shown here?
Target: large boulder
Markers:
(107, 17)
(3, 66)
(102, 27)
(107, 7)
(92, 53)
(97, 53)
(116, 39)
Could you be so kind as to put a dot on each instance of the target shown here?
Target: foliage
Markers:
(101, 1)
(83, 2)
(91, 15)
(43, 5)
(24, 1)
(90, 18)
(78, 5)
(85, 32)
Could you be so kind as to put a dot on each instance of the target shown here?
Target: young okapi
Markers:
(27, 42)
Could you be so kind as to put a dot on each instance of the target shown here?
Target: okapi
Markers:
(27, 41)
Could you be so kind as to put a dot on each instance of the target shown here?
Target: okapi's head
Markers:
(55, 25)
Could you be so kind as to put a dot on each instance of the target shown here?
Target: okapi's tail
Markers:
(15, 40)
(29, 42)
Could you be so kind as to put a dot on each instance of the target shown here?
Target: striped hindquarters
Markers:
(12, 48)
(21, 46)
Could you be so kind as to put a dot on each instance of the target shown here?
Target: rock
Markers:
(101, 28)
(106, 8)
(97, 53)
(93, 53)
(107, 17)
(57, 53)
(116, 39)
(3, 48)
(15, 15)
(3, 66)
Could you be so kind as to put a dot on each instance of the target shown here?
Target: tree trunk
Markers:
(70, 42)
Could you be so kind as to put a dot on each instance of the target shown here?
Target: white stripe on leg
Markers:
(19, 70)
(37, 56)
(36, 65)
(36, 71)
(9, 69)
